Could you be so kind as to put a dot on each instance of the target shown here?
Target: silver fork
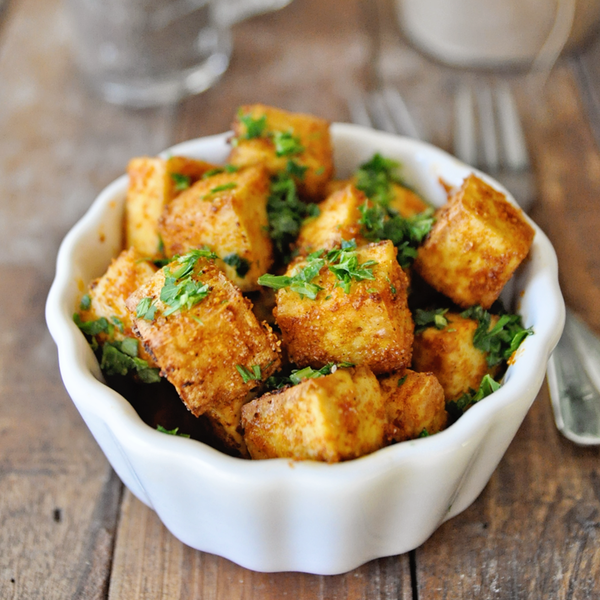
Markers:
(488, 135)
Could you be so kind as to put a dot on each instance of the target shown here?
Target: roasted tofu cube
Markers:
(153, 183)
(226, 424)
(274, 137)
(227, 213)
(338, 220)
(331, 418)
(107, 296)
(203, 334)
(450, 355)
(414, 403)
(367, 324)
(477, 242)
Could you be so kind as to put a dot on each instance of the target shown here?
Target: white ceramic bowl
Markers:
(279, 515)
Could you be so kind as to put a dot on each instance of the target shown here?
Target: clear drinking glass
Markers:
(150, 52)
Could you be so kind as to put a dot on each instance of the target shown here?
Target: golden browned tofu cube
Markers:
(450, 355)
(108, 294)
(273, 137)
(227, 213)
(338, 220)
(477, 242)
(371, 325)
(203, 335)
(406, 202)
(153, 183)
(331, 418)
(226, 424)
(415, 404)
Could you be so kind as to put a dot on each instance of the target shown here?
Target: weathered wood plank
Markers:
(58, 147)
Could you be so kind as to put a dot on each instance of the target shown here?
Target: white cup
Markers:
(495, 33)
(150, 52)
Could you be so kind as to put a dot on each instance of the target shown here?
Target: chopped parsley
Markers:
(224, 187)
(255, 127)
(342, 262)
(172, 431)
(286, 212)
(117, 357)
(295, 169)
(219, 170)
(249, 374)
(401, 380)
(457, 407)
(286, 143)
(380, 222)
(297, 376)
(240, 264)
(424, 433)
(430, 318)
(145, 309)
(121, 358)
(181, 181)
(499, 341)
(375, 178)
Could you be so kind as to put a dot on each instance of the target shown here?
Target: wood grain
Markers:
(67, 528)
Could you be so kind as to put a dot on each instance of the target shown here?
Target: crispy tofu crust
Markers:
(414, 403)
(198, 350)
(108, 294)
(313, 134)
(332, 418)
(338, 220)
(370, 326)
(228, 213)
(151, 188)
(477, 242)
(450, 355)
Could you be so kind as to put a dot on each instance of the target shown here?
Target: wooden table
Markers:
(68, 528)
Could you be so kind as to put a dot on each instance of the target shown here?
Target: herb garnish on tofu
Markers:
(457, 407)
(181, 181)
(342, 262)
(375, 178)
(286, 211)
(430, 318)
(276, 382)
(180, 290)
(501, 341)
(286, 143)
(249, 374)
(254, 127)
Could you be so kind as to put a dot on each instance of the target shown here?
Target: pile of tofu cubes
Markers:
(384, 384)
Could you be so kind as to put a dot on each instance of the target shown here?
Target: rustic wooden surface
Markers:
(68, 529)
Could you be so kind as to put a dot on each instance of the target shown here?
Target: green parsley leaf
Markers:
(86, 302)
(299, 282)
(252, 374)
(499, 341)
(343, 263)
(95, 327)
(402, 380)
(241, 265)
(375, 178)
(255, 127)
(224, 187)
(118, 323)
(430, 318)
(145, 309)
(121, 358)
(457, 407)
(295, 169)
(424, 433)
(172, 431)
(286, 143)
(297, 376)
(286, 212)
(181, 181)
